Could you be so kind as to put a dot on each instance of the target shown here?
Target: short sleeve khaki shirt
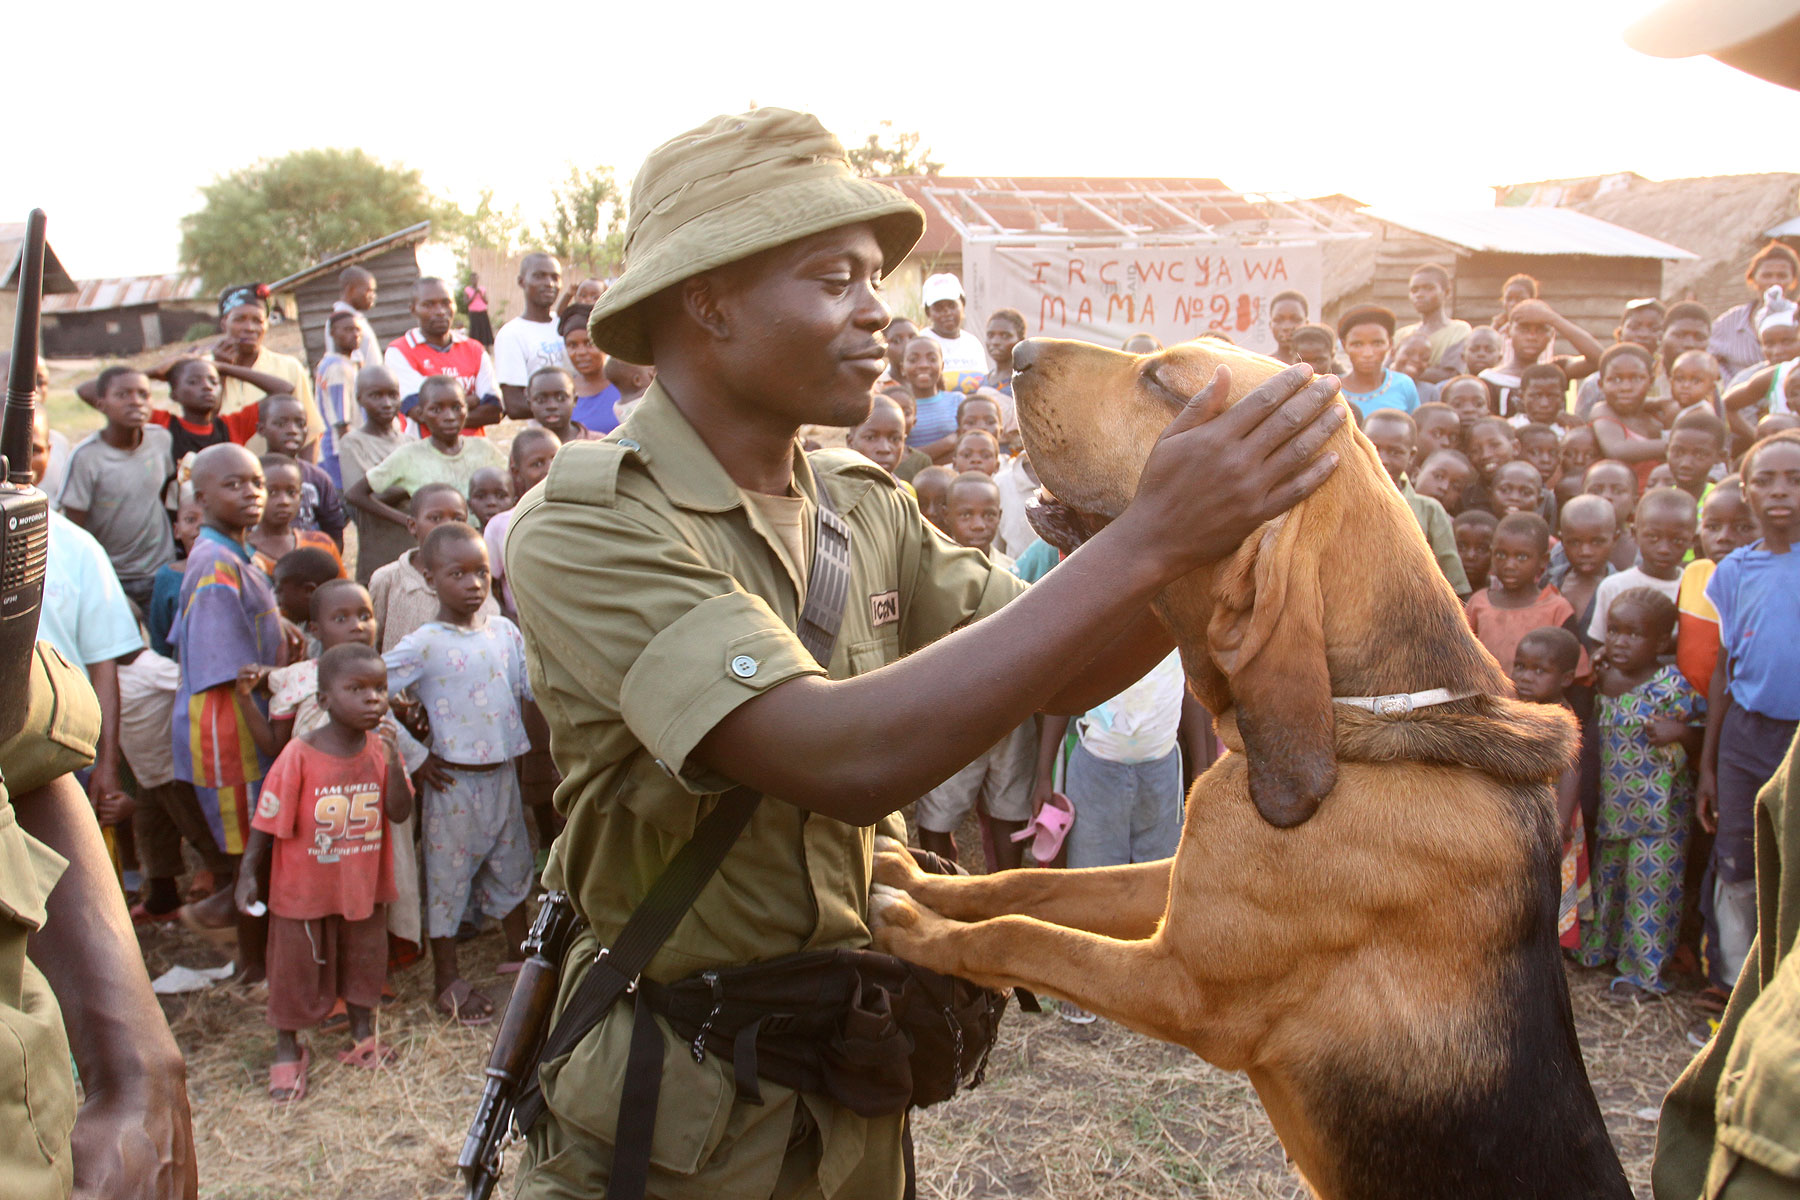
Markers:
(653, 603)
(37, 1090)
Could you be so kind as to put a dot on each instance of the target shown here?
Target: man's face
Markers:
(1426, 293)
(1774, 271)
(1537, 677)
(1475, 547)
(345, 615)
(1412, 357)
(1469, 400)
(946, 317)
(1543, 452)
(1366, 346)
(1516, 561)
(541, 278)
(345, 336)
(1315, 352)
(1643, 326)
(1542, 400)
(357, 695)
(975, 452)
(1664, 536)
(1483, 350)
(1285, 316)
(1725, 523)
(1684, 334)
(443, 411)
(282, 423)
(900, 332)
(806, 320)
(362, 293)
(434, 310)
(1393, 444)
(283, 502)
(1780, 343)
(1438, 430)
(979, 414)
(924, 366)
(881, 438)
(246, 325)
(552, 400)
(1588, 542)
(974, 514)
(1489, 446)
(1517, 488)
(440, 508)
(1692, 456)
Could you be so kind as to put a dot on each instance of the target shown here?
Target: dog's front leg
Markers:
(1121, 902)
(1140, 984)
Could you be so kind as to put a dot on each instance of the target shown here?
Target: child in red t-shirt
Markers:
(322, 818)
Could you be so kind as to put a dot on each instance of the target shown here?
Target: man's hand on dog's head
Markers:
(1218, 473)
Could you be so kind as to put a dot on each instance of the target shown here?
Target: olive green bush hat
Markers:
(734, 187)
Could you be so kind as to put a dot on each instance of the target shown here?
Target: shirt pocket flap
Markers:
(28, 871)
(1759, 1090)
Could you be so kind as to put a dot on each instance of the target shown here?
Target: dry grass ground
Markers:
(1066, 1112)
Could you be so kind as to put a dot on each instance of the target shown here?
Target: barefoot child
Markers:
(1502, 615)
(323, 822)
(1648, 723)
(1663, 527)
(469, 669)
(1543, 671)
(115, 482)
(226, 619)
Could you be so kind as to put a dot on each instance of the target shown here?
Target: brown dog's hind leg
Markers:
(1118, 902)
(1139, 984)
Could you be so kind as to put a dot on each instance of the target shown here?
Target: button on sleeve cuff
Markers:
(714, 657)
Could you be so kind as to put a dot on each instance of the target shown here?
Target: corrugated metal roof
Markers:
(1530, 231)
(95, 294)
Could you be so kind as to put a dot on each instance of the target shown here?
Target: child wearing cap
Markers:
(966, 361)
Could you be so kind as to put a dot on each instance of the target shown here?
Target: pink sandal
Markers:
(287, 1080)
(371, 1054)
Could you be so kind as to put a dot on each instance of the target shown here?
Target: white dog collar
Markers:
(1398, 704)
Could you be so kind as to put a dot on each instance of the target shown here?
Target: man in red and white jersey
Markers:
(432, 348)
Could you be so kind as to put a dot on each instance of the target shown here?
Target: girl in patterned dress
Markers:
(1649, 726)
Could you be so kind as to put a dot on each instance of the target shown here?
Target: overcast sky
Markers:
(1413, 103)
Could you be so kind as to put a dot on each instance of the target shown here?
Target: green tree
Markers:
(275, 217)
(488, 227)
(890, 153)
(586, 228)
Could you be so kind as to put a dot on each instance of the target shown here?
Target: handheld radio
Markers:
(24, 510)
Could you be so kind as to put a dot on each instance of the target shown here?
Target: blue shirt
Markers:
(165, 600)
(1758, 598)
(936, 420)
(85, 614)
(1396, 391)
(596, 411)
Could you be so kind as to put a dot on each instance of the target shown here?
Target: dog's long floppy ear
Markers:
(1267, 636)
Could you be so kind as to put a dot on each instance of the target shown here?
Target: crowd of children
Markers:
(1618, 521)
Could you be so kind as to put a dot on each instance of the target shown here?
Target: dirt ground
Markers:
(1066, 1112)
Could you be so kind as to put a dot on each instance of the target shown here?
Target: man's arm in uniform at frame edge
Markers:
(815, 742)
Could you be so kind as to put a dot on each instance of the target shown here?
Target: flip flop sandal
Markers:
(371, 1054)
(338, 1018)
(454, 999)
(287, 1080)
(142, 916)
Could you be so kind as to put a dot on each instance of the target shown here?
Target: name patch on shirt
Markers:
(884, 609)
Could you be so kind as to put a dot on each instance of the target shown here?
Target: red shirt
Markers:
(240, 426)
(412, 359)
(328, 816)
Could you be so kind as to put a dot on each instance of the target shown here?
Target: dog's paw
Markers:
(894, 865)
(891, 907)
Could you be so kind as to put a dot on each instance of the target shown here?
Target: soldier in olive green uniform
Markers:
(659, 575)
(1730, 1127)
(134, 1137)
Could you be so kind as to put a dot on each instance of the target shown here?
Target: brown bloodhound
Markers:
(1362, 911)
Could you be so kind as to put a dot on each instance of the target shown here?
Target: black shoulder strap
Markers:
(618, 966)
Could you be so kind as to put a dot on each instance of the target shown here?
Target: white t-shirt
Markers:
(963, 354)
(147, 686)
(1016, 491)
(522, 347)
(1624, 581)
(1140, 723)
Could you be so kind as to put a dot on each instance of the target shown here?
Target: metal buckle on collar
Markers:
(1399, 704)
